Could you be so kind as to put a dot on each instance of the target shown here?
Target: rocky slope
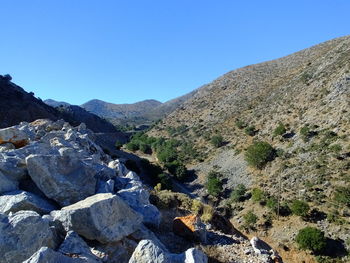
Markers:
(307, 92)
(54, 103)
(62, 199)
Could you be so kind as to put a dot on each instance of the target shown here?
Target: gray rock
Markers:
(22, 234)
(7, 147)
(48, 255)
(103, 217)
(7, 185)
(75, 245)
(138, 198)
(13, 167)
(13, 135)
(147, 251)
(21, 200)
(64, 179)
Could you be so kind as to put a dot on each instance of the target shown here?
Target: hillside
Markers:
(306, 95)
(54, 103)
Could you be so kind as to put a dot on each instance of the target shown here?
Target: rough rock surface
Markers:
(46, 255)
(102, 217)
(190, 227)
(15, 136)
(21, 200)
(22, 234)
(147, 251)
(6, 184)
(53, 173)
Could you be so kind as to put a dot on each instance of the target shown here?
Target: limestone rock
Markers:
(22, 234)
(21, 200)
(48, 255)
(7, 185)
(13, 135)
(147, 251)
(64, 179)
(75, 245)
(137, 197)
(103, 217)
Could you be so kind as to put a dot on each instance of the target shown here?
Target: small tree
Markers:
(214, 184)
(250, 130)
(217, 141)
(259, 153)
(250, 219)
(258, 195)
(132, 146)
(299, 208)
(118, 144)
(310, 238)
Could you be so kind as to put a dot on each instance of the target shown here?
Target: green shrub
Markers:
(272, 203)
(214, 184)
(299, 208)
(165, 181)
(280, 130)
(310, 238)
(216, 141)
(145, 148)
(238, 193)
(250, 130)
(259, 154)
(342, 195)
(305, 132)
(250, 219)
(258, 195)
(132, 146)
(335, 148)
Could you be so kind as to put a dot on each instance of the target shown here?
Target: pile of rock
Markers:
(62, 199)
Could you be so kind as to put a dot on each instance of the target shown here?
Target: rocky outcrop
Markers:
(22, 234)
(103, 217)
(22, 200)
(147, 251)
(53, 173)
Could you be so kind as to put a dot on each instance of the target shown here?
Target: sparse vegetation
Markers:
(238, 193)
(250, 220)
(258, 195)
(280, 130)
(250, 130)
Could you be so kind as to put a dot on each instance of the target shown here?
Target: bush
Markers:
(258, 195)
(299, 208)
(214, 184)
(259, 153)
(310, 238)
(240, 124)
(250, 219)
(238, 193)
(217, 141)
(165, 181)
(132, 146)
(145, 148)
(272, 203)
(250, 130)
(280, 130)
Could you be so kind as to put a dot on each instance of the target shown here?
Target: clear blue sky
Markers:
(126, 51)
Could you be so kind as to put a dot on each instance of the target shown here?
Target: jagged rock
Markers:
(48, 255)
(21, 200)
(64, 179)
(146, 251)
(15, 136)
(190, 227)
(75, 245)
(103, 217)
(137, 197)
(22, 234)
(13, 167)
(7, 147)
(7, 185)
(105, 186)
(119, 167)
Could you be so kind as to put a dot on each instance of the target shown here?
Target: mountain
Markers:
(16, 105)
(120, 113)
(54, 103)
(299, 105)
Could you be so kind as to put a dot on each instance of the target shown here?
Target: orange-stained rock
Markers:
(190, 227)
(15, 136)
